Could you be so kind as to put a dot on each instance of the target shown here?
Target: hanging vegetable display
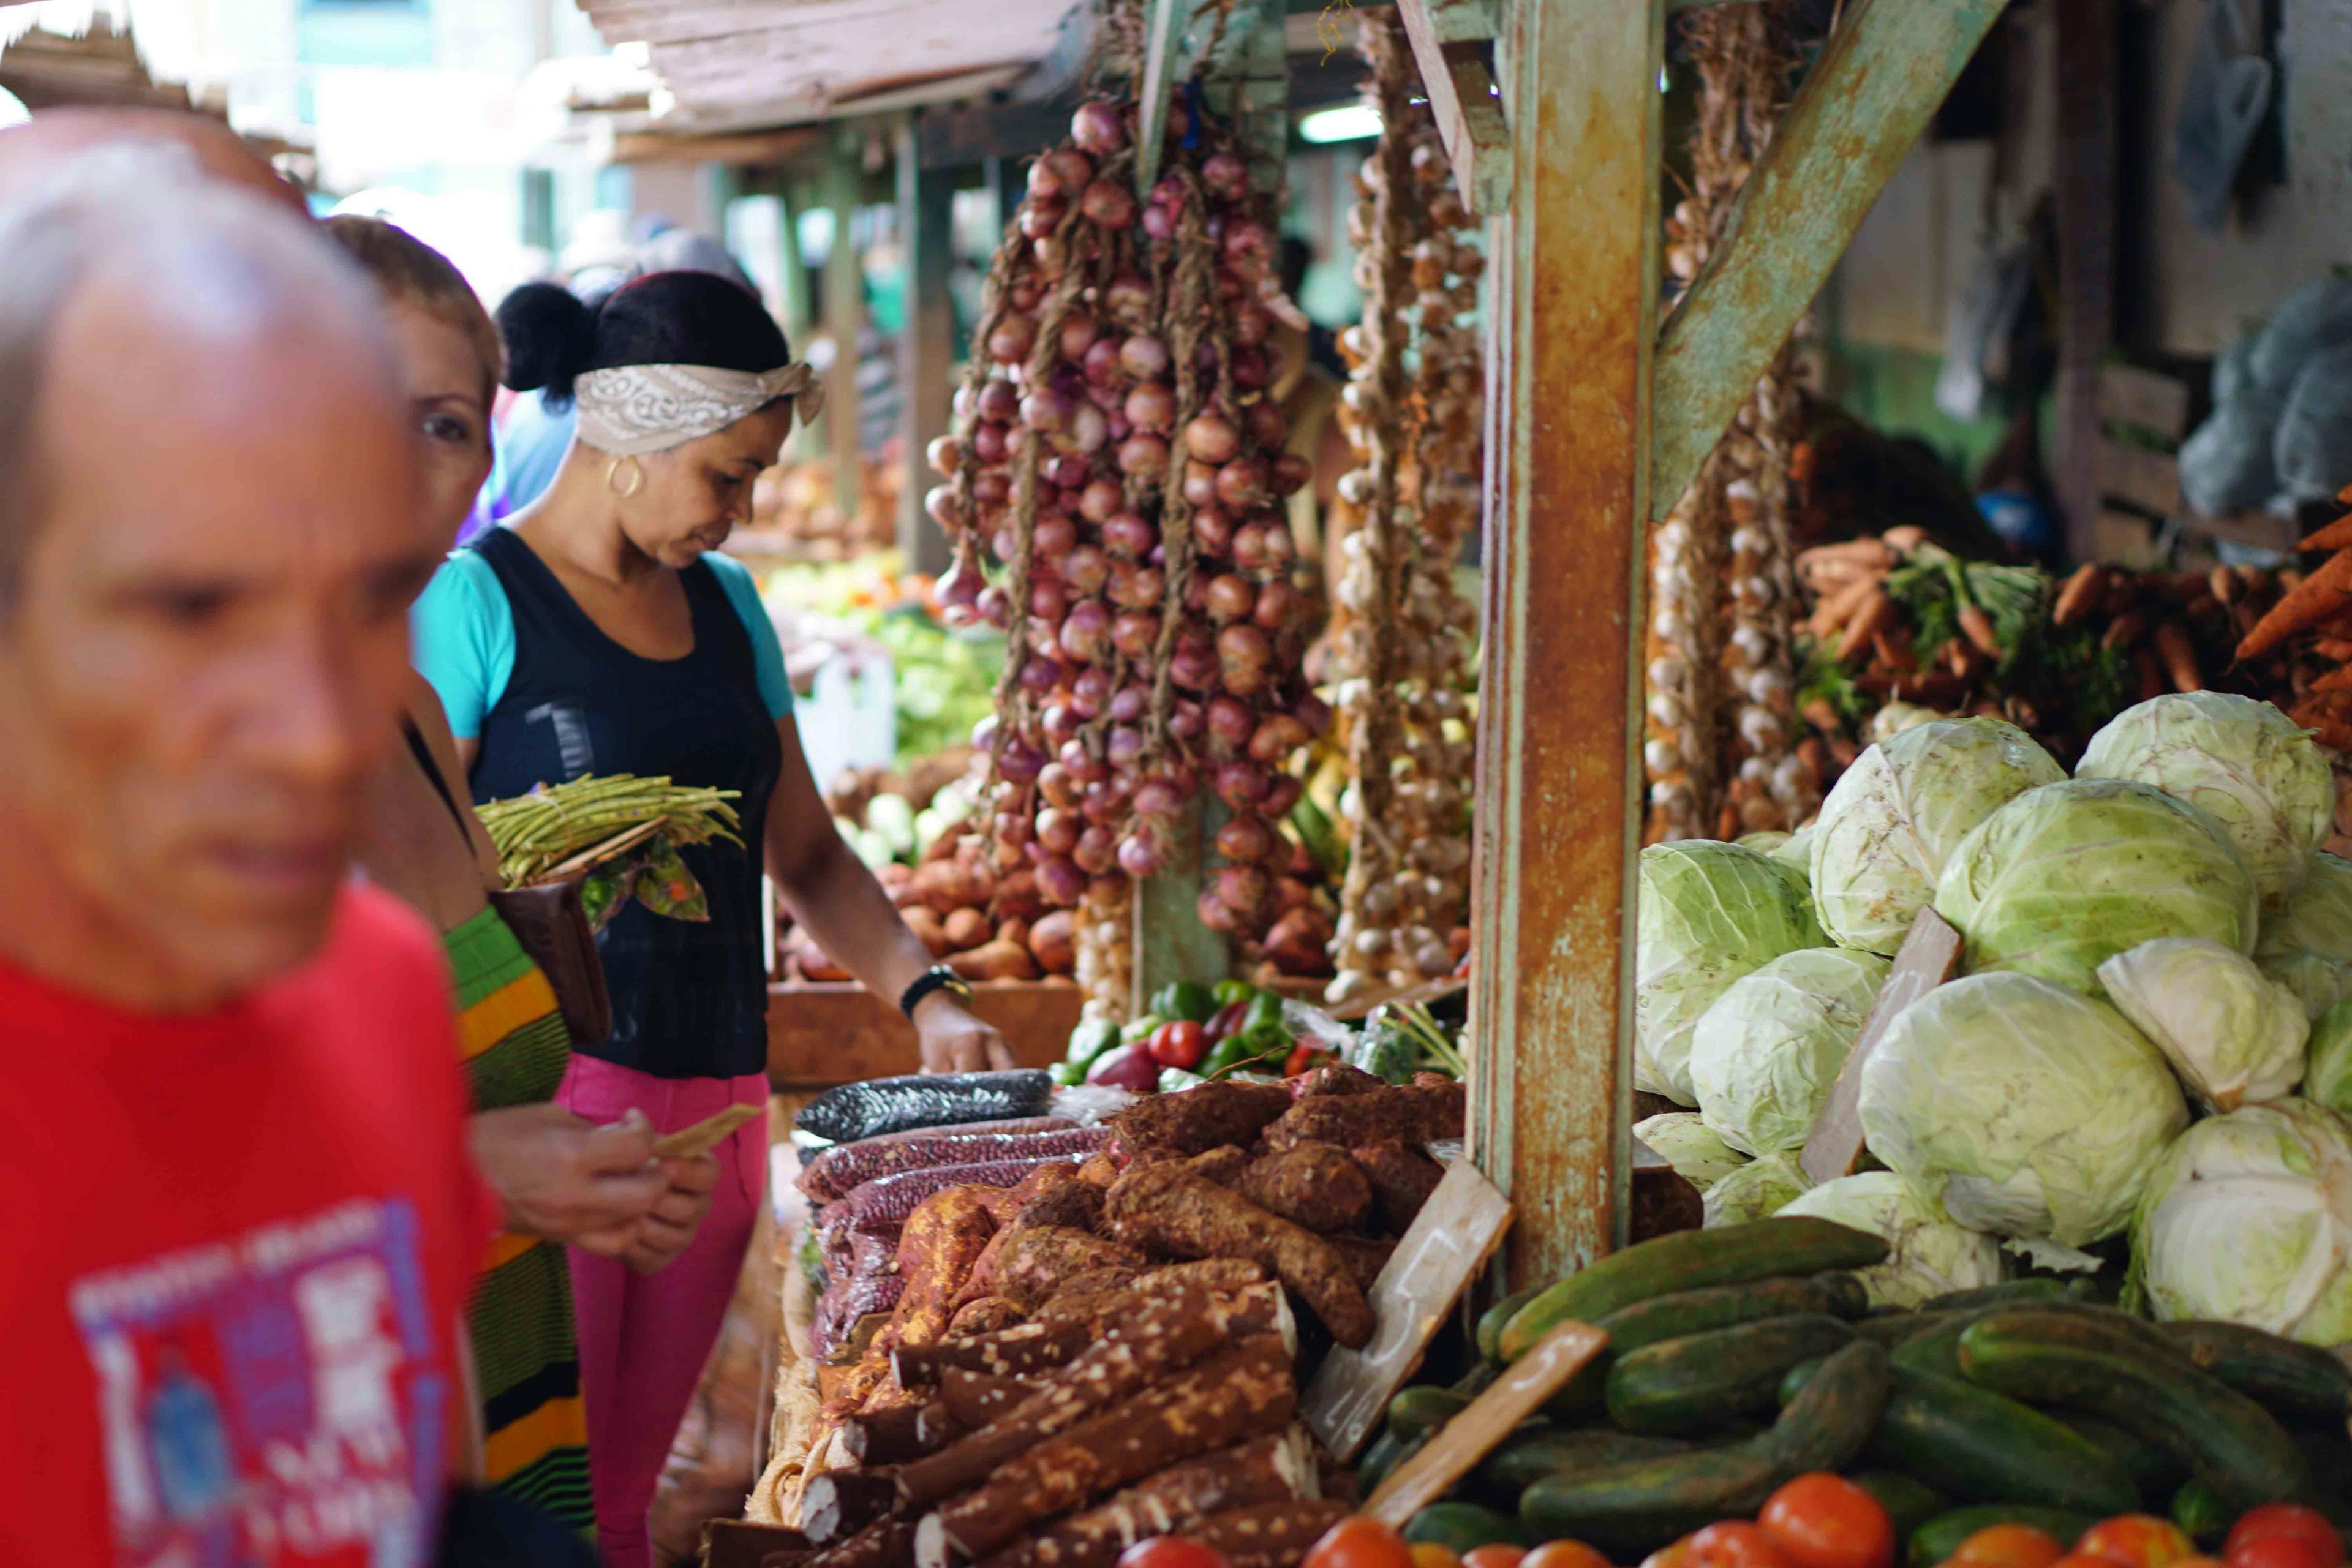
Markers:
(1120, 459)
(1400, 660)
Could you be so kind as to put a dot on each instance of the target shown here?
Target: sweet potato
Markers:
(994, 961)
(928, 931)
(1053, 943)
(948, 886)
(966, 929)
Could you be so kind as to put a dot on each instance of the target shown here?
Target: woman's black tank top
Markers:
(689, 997)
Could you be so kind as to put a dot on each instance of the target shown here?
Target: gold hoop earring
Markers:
(636, 477)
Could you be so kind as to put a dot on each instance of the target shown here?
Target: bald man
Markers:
(56, 138)
(239, 1221)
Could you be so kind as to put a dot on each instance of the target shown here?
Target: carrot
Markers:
(2338, 680)
(2179, 657)
(1838, 608)
(2200, 603)
(2223, 585)
(1867, 551)
(2148, 672)
(1893, 649)
(1906, 537)
(2334, 536)
(1877, 613)
(2319, 597)
(2337, 649)
(2124, 630)
(1977, 626)
(2074, 600)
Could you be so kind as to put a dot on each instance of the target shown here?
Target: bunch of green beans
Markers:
(537, 832)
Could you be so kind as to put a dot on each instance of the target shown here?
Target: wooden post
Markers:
(2086, 224)
(1571, 326)
(799, 314)
(927, 347)
(844, 318)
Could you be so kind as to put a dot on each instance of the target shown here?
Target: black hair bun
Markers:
(549, 336)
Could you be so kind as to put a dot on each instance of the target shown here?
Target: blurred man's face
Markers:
(207, 644)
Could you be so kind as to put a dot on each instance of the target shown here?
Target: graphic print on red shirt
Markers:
(233, 1251)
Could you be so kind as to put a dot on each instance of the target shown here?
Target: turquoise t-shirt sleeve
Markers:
(767, 652)
(461, 637)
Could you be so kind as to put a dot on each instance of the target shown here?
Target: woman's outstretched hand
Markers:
(953, 1040)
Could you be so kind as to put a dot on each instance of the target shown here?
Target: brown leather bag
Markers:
(551, 925)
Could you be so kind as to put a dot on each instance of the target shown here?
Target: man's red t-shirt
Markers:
(234, 1252)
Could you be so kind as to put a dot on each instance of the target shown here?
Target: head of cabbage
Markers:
(2240, 762)
(1758, 1190)
(1764, 1057)
(2233, 1036)
(1928, 1254)
(1705, 914)
(1697, 1151)
(2306, 942)
(2023, 1108)
(1898, 812)
(2066, 876)
(1797, 853)
(2248, 1218)
(2328, 1070)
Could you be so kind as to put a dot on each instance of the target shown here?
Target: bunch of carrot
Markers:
(2313, 622)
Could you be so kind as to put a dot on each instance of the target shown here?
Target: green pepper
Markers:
(1090, 1040)
(1228, 992)
(1069, 1075)
(1265, 1016)
(1186, 999)
(1386, 1051)
(1136, 1033)
(1174, 1079)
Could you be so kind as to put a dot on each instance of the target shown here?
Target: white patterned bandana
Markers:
(642, 408)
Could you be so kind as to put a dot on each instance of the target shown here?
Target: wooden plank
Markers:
(1449, 1243)
(2149, 480)
(1570, 323)
(1930, 953)
(927, 347)
(2148, 400)
(1462, 99)
(2123, 539)
(748, 147)
(845, 319)
(1171, 943)
(1473, 1434)
(2084, 210)
(1879, 80)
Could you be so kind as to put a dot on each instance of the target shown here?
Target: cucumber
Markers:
(1792, 1382)
(2225, 1439)
(2092, 1326)
(2155, 1472)
(1908, 1501)
(1826, 1425)
(1416, 1412)
(1461, 1526)
(1686, 1260)
(1526, 1459)
(1938, 1349)
(1662, 1317)
(1385, 1455)
(1982, 1447)
(2199, 1515)
(1698, 1381)
(1845, 1294)
(2299, 1382)
(1900, 1329)
(2008, 1293)
(1936, 1541)
(1491, 1321)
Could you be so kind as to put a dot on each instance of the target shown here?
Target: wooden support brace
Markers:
(1881, 75)
(926, 348)
(1462, 96)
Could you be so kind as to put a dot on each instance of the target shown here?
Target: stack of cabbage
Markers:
(2155, 941)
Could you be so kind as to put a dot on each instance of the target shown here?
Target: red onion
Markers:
(1097, 850)
(1230, 720)
(1061, 882)
(1010, 342)
(1212, 529)
(1101, 363)
(1291, 472)
(1044, 409)
(1243, 889)
(966, 404)
(1151, 406)
(996, 607)
(1276, 605)
(1135, 632)
(1020, 761)
(1057, 830)
(1142, 356)
(1281, 549)
(1047, 599)
(1144, 455)
(983, 734)
(1281, 795)
(1226, 177)
(1084, 628)
(1040, 216)
(1278, 736)
(1212, 439)
(1241, 484)
(1249, 324)
(1159, 221)
(988, 442)
(1141, 856)
(1186, 722)
(1090, 689)
(1072, 169)
(1230, 598)
(1066, 471)
(945, 454)
(1060, 721)
(1025, 294)
(1129, 702)
(1109, 204)
(1266, 425)
(1157, 797)
(1003, 543)
(1192, 670)
(1000, 401)
(1055, 783)
(1240, 645)
(1098, 128)
(1250, 371)
(1212, 913)
(1043, 183)
(1078, 334)
(1085, 568)
(1249, 547)
(1123, 746)
(940, 501)
(1196, 593)
(1245, 840)
(1137, 587)
(1200, 483)
(1051, 536)
(1128, 299)
(991, 486)
(1127, 535)
(960, 588)
(1247, 244)
(1086, 432)
(1100, 498)
(1082, 765)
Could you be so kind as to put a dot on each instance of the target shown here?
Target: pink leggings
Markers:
(644, 1338)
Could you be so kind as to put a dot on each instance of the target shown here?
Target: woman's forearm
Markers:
(835, 897)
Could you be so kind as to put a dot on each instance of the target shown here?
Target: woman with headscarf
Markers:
(601, 634)
(562, 1178)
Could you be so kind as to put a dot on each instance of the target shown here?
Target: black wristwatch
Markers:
(938, 977)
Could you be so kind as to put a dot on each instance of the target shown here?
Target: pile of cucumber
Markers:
(1742, 1357)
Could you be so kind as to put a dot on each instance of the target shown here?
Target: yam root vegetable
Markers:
(1006, 1203)
(983, 1315)
(837, 1504)
(1127, 1357)
(1100, 1170)
(1076, 1203)
(966, 927)
(1334, 1078)
(1312, 1184)
(977, 1398)
(1239, 1392)
(1410, 1113)
(1036, 1262)
(1365, 1256)
(1267, 1534)
(1876, 613)
(1202, 1118)
(895, 1435)
(928, 931)
(1264, 1469)
(1053, 942)
(1106, 1295)
(1166, 1208)
(1009, 1353)
(2178, 656)
(1223, 1166)
(2079, 594)
(887, 1542)
(1401, 1176)
(2324, 592)
(996, 960)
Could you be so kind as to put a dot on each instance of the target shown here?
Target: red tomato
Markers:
(1430, 1554)
(1171, 1552)
(1494, 1554)
(2084, 1560)
(2136, 1541)
(1356, 1542)
(1735, 1543)
(1674, 1556)
(2287, 1551)
(1302, 1059)
(2009, 1546)
(1821, 1520)
(1564, 1554)
(1179, 1043)
(2284, 1519)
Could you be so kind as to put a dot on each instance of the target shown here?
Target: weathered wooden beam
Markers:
(1463, 98)
(1879, 78)
(735, 151)
(2086, 221)
(1570, 326)
(926, 347)
(845, 322)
